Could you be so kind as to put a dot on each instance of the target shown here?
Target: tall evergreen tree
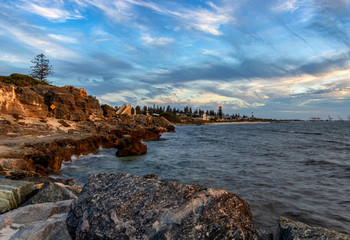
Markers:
(220, 112)
(42, 68)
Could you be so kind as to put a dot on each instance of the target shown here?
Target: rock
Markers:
(108, 111)
(14, 193)
(121, 109)
(151, 176)
(63, 123)
(45, 221)
(288, 230)
(53, 192)
(129, 146)
(123, 206)
(263, 234)
(70, 102)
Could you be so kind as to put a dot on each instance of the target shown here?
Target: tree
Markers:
(42, 68)
(220, 112)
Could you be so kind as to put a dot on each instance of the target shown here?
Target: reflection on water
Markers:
(299, 170)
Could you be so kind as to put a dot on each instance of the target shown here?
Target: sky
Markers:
(283, 59)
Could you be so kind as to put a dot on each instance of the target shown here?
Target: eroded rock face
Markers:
(123, 206)
(288, 230)
(34, 101)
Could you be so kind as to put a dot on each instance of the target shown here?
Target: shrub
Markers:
(21, 80)
(170, 117)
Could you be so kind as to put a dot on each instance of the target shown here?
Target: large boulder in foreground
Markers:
(123, 206)
(288, 229)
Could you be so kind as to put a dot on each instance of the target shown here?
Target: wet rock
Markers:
(123, 206)
(263, 234)
(45, 221)
(130, 146)
(288, 230)
(53, 192)
(151, 176)
(14, 193)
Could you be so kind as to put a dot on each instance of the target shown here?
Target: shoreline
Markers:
(72, 136)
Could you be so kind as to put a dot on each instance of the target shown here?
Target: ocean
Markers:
(300, 170)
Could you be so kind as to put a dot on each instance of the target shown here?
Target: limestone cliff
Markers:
(70, 102)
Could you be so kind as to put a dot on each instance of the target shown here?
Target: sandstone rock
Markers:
(53, 192)
(45, 221)
(13, 193)
(121, 109)
(83, 93)
(129, 146)
(35, 101)
(108, 111)
(127, 111)
(123, 206)
(288, 230)
(21, 100)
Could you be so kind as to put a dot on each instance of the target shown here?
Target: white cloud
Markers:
(54, 12)
(63, 38)
(162, 41)
(201, 19)
(37, 41)
(117, 10)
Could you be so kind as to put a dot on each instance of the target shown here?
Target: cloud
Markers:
(62, 38)
(54, 12)
(162, 41)
(207, 20)
(37, 41)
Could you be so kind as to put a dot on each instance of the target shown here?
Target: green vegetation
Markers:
(170, 117)
(107, 107)
(21, 80)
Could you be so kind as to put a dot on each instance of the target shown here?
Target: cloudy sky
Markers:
(276, 58)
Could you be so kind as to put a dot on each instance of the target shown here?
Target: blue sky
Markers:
(276, 58)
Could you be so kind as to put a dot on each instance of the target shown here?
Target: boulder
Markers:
(14, 193)
(130, 146)
(288, 229)
(53, 192)
(123, 206)
(45, 221)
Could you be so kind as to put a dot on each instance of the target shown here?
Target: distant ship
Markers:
(317, 119)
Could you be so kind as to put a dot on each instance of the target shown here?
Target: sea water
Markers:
(300, 170)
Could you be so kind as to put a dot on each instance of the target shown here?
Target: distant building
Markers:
(207, 117)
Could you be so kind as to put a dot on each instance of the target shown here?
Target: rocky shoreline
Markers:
(35, 141)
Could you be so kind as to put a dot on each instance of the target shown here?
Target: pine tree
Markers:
(42, 68)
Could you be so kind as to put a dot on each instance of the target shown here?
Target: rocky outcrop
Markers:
(14, 193)
(129, 146)
(288, 230)
(34, 190)
(34, 101)
(37, 146)
(53, 192)
(123, 206)
(45, 221)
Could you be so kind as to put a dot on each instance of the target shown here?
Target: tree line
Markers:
(186, 111)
